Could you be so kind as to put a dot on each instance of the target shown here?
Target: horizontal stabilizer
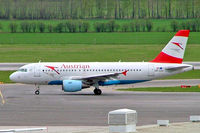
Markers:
(176, 68)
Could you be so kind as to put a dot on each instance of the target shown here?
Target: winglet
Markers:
(124, 73)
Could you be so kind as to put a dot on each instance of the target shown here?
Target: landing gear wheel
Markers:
(97, 91)
(37, 92)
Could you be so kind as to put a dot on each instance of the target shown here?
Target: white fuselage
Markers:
(55, 73)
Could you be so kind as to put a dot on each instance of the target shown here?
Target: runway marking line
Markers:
(2, 99)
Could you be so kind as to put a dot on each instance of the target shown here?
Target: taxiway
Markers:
(54, 107)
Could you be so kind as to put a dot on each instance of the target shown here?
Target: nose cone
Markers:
(13, 77)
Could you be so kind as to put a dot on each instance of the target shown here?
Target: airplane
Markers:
(75, 76)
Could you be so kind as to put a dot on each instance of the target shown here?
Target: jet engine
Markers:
(73, 85)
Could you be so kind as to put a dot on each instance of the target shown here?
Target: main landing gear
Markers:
(97, 91)
(37, 92)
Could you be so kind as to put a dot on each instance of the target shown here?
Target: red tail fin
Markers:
(174, 50)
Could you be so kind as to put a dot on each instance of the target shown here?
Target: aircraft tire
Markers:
(97, 91)
(37, 92)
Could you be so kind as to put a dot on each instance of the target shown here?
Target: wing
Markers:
(99, 77)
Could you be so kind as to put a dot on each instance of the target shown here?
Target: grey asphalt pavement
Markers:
(186, 127)
(54, 107)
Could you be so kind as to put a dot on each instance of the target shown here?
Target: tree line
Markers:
(101, 9)
(77, 26)
(74, 26)
(192, 25)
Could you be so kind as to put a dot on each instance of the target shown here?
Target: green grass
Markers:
(86, 38)
(87, 53)
(195, 74)
(93, 38)
(161, 24)
(164, 89)
(4, 76)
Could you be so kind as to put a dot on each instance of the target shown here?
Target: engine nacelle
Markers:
(72, 85)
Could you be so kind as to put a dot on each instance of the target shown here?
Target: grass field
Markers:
(158, 24)
(87, 53)
(165, 89)
(93, 38)
(4, 76)
(195, 74)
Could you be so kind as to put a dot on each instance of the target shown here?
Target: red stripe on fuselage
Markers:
(165, 58)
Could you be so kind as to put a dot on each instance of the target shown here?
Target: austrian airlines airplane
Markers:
(77, 76)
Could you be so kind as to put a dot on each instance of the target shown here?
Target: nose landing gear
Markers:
(37, 92)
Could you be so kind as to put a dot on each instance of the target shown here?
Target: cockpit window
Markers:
(22, 70)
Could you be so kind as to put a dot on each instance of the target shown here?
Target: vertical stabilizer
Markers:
(174, 51)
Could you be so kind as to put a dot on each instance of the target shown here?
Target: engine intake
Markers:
(73, 85)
